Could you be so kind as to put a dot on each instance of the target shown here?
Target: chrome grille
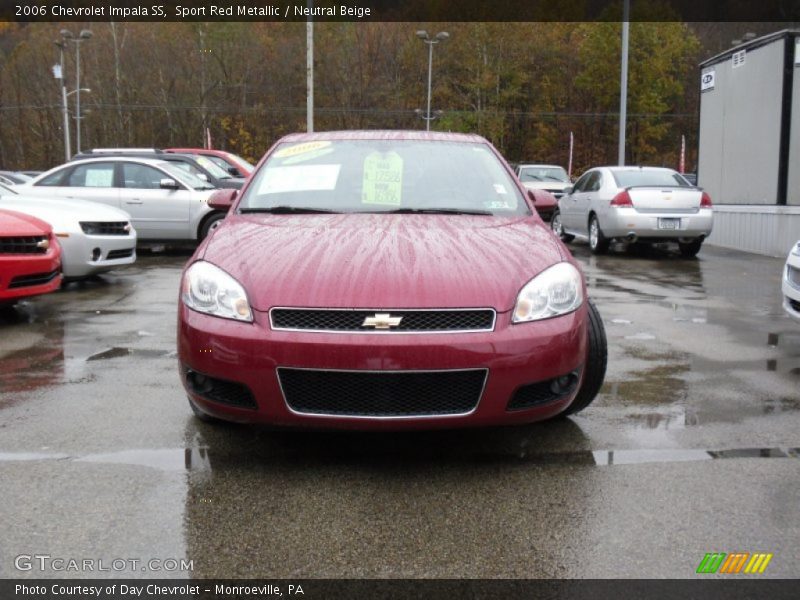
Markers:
(382, 393)
(411, 321)
(22, 245)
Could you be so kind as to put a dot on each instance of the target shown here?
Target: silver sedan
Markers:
(93, 238)
(165, 203)
(634, 204)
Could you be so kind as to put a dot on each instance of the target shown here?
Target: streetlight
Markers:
(439, 37)
(58, 71)
(68, 36)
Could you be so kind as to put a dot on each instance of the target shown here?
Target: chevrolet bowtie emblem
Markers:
(43, 244)
(382, 321)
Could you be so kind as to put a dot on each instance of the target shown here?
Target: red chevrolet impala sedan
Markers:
(385, 280)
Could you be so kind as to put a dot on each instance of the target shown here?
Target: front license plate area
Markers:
(669, 223)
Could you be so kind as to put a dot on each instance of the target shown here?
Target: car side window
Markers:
(53, 180)
(141, 177)
(100, 175)
(595, 181)
(581, 183)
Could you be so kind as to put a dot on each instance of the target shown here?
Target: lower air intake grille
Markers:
(383, 393)
(543, 392)
(31, 280)
(794, 304)
(115, 254)
(219, 390)
(404, 320)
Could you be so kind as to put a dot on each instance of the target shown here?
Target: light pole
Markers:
(64, 109)
(439, 37)
(623, 88)
(68, 36)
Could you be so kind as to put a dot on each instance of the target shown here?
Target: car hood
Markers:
(382, 261)
(62, 211)
(20, 224)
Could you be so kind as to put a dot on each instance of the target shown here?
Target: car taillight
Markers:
(623, 199)
(705, 201)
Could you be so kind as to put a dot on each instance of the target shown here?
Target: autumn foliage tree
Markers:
(525, 86)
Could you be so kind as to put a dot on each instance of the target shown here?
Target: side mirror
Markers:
(234, 172)
(168, 184)
(532, 196)
(569, 189)
(223, 199)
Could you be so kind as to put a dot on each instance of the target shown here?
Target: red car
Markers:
(232, 163)
(30, 257)
(385, 280)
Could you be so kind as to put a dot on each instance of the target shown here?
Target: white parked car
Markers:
(791, 283)
(634, 204)
(164, 202)
(551, 178)
(93, 238)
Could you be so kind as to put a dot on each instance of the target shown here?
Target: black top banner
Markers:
(786, 11)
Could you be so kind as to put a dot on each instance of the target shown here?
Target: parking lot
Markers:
(691, 448)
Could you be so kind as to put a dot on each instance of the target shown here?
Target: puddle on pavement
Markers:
(118, 352)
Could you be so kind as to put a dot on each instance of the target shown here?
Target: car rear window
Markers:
(385, 175)
(646, 177)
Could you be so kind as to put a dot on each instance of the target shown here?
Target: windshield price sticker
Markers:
(383, 179)
(303, 178)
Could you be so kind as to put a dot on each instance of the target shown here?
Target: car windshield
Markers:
(371, 176)
(7, 191)
(239, 160)
(649, 177)
(543, 174)
(212, 167)
(185, 176)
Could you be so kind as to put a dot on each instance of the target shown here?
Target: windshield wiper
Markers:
(436, 211)
(284, 210)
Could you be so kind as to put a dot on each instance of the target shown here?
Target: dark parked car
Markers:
(198, 166)
(385, 280)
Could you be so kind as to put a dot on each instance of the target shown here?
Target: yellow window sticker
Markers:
(301, 149)
(383, 179)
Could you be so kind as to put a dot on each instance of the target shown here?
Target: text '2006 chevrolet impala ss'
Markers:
(384, 279)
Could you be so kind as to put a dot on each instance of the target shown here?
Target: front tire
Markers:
(210, 224)
(594, 370)
(558, 228)
(690, 249)
(598, 243)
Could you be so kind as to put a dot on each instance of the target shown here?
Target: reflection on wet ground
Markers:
(99, 453)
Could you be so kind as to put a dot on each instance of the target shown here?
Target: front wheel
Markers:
(210, 224)
(558, 228)
(598, 243)
(594, 370)
(690, 249)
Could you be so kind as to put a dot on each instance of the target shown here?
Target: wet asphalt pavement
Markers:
(692, 447)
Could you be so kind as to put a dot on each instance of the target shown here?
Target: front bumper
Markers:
(25, 275)
(621, 222)
(250, 355)
(791, 286)
(79, 252)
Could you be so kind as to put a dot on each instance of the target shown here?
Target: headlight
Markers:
(209, 289)
(555, 291)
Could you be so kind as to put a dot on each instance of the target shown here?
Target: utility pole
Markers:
(59, 74)
(623, 88)
(310, 70)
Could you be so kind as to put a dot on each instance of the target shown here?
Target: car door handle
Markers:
(134, 201)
